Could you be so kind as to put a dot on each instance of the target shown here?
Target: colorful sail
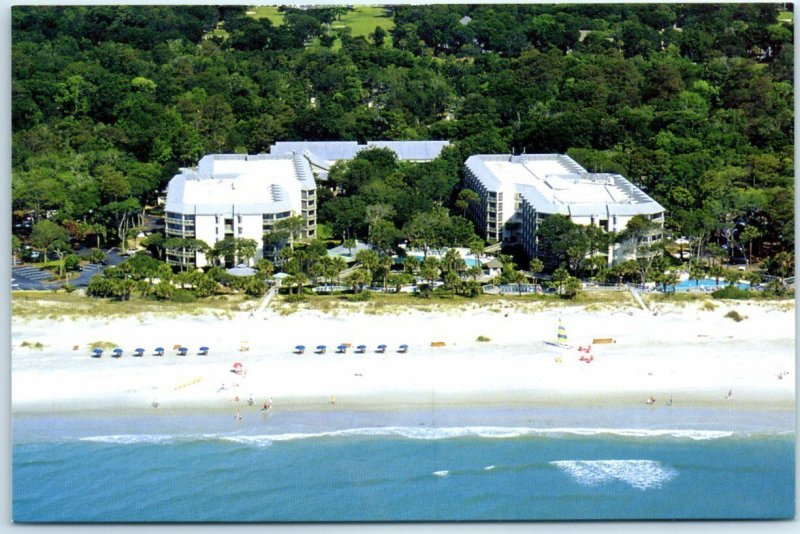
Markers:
(562, 333)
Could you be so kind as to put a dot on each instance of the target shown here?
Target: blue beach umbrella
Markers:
(403, 348)
(361, 348)
(97, 353)
(341, 349)
(117, 352)
(321, 349)
(138, 352)
(182, 351)
(299, 349)
(159, 351)
(381, 348)
(203, 351)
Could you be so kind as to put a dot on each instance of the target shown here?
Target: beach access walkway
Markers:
(638, 298)
(262, 306)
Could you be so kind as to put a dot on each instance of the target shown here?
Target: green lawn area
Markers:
(363, 20)
(266, 12)
(786, 16)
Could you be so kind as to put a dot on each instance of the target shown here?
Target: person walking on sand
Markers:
(729, 396)
(238, 416)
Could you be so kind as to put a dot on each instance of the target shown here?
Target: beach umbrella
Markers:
(361, 348)
(341, 348)
(203, 351)
(381, 348)
(97, 353)
(237, 365)
(138, 352)
(299, 349)
(117, 352)
(403, 348)
(182, 351)
(321, 349)
(159, 351)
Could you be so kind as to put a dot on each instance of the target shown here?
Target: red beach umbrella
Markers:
(237, 365)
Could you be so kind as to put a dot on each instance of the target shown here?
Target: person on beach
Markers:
(238, 416)
(729, 396)
(250, 401)
(669, 402)
(650, 400)
(221, 388)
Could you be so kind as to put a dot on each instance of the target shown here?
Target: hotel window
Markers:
(239, 219)
(241, 230)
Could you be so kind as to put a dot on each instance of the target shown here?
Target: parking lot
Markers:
(31, 278)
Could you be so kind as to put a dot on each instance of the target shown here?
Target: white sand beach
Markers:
(698, 357)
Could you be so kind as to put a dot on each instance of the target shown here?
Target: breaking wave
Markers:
(414, 433)
(639, 474)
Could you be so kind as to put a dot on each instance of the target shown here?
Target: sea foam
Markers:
(640, 474)
(413, 433)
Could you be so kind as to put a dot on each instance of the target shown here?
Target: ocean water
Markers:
(403, 466)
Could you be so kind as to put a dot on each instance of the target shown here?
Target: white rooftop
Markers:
(554, 183)
(224, 184)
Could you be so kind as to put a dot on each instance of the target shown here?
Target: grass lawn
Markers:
(266, 12)
(363, 20)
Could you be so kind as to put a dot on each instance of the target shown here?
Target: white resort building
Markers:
(241, 196)
(516, 192)
(321, 155)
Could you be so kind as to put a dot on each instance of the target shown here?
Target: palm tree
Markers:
(349, 244)
(535, 267)
(696, 272)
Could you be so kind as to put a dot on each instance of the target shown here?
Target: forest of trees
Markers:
(693, 103)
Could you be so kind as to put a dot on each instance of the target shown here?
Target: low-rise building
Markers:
(517, 192)
(321, 155)
(240, 196)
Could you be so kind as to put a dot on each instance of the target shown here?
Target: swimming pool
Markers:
(469, 261)
(707, 284)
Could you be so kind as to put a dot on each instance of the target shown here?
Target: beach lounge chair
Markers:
(182, 351)
(381, 349)
(159, 351)
(341, 349)
(299, 349)
(116, 353)
(96, 353)
(320, 349)
(403, 349)
(203, 351)
(361, 349)
(138, 352)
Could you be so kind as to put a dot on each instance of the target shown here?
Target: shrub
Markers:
(68, 288)
(483, 339)
(71, 263)
(183, 295)
(708, 306)
(364, 296)
(736, 316)
(299, 297)
(731, 292)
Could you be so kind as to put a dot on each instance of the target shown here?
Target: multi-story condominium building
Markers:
(242, 196)
(322, 154)
(517, 192)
